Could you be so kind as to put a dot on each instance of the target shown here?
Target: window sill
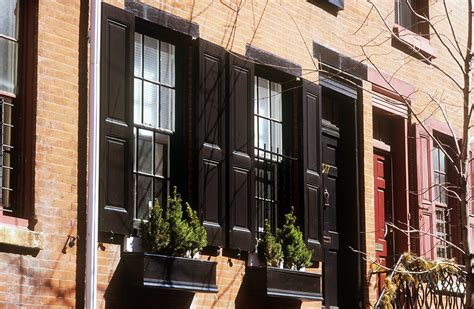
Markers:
(414, 42)
(20, 237)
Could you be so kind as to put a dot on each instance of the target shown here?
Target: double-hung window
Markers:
(408, 14)
(17, 18)
(154, 120)
(441, 201)
(273, 163)
(9, 34)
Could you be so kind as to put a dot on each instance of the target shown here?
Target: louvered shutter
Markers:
(116, 121)
(211, 136)
(311, 122)
(241, 171)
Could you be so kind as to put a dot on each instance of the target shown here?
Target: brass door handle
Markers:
(326, 198)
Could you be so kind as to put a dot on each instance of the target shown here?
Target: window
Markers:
(440, 199)
(17, 18)
(9, 24)
(406, 12)
(154, 120)
(274, 165)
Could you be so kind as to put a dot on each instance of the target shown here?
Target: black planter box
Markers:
(166, 272)
(291, 284)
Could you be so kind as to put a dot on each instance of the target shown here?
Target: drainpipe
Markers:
(93, 175)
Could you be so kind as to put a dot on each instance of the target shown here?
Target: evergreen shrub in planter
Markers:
(288, 249)
(171, 238)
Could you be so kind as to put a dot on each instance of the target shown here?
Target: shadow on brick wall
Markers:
(249, 299)
(120, 294)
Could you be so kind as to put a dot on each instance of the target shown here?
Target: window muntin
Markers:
(154, 118)
(9, 21)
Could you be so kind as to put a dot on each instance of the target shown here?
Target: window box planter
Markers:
(167, 272)
(279, 282)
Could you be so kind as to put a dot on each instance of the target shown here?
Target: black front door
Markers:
(330, 138)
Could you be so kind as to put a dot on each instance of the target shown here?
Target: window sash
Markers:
(154, 83)
(442, 233)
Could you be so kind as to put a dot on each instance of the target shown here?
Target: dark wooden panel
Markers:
(116, 80)
(241, 199)
(116, 121)
(311, 123)
(116, 151)
(211, 125)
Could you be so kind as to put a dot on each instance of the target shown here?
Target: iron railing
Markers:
(275, 186)
(413, 286)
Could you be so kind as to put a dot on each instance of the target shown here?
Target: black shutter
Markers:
(241, 199)
(116, 121)
(311, 121)
(211, 141)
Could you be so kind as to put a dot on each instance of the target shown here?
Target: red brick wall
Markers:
(49, 277)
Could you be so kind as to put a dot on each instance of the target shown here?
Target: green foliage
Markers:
(269, 249)
(296, 253)
(172, 232)
(155, 232)
(199, 236)
(288, 245)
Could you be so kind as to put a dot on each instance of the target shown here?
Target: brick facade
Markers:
(51, 274)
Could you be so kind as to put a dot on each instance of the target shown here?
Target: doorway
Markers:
(341, 237)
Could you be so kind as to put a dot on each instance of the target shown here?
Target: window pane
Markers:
(167, 64)
(277, 140)
(263, 97)
(9, 18)
(264, 134)
(151, 59)
(137, 106)
(144, 196)
(160, 159)
(150, 104)
(160, 193)
(138, 54)
(144, 152)
(167, 108)
(442, 162)
(8, 59)
(276, 101)
(436, 159)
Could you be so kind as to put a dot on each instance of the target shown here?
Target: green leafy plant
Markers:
(171, 231)
(295, 252)
(269, 249)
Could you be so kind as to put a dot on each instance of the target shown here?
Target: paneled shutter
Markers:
(426, 207)
(311, 122)
(210, 115)
(241, 199)
(116, 121)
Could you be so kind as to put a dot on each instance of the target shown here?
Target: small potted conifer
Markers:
(172, 239)
(285, 256)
